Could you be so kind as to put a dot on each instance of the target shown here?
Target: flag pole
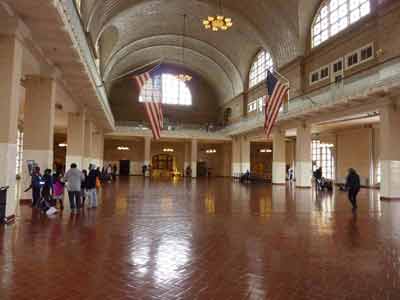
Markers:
(139, 68)
(283, 77)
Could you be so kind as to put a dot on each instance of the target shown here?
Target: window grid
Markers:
(322, 156)
(336, 15)
(168, 88)
(20, 147)
(260, 67)
(257, 105)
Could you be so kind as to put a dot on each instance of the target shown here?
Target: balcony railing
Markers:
(379, 76)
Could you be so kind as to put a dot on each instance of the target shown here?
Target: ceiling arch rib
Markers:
(264, 23)
(198, 63)
(194, 45)
(167, 21)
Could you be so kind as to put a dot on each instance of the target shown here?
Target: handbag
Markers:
(98, 183)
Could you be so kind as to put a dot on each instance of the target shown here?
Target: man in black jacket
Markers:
(91, 186)
(353, 187)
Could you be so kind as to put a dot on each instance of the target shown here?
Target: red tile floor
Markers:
(203, 239)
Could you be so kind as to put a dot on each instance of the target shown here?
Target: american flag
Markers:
(277, 92)
(152, 103)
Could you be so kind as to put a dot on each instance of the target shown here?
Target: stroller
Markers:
(46, 207)
(325, 184)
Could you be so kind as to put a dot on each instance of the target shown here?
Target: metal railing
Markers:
(68, 11)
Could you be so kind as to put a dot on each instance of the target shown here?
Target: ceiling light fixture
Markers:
(182, 76)
(265, 150)
(218, 22)
(168, 150)
(211, 151)
(123, 148)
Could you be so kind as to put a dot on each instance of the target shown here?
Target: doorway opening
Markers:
(124, 167)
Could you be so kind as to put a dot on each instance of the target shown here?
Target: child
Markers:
(58, 187)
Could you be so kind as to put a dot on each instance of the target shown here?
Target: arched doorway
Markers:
(163, 165)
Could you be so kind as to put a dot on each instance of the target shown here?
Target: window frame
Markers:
(256, 76)
(323, 155)
(358, 52)
(20, 152)
(256, 105)
(334, 12)
(181, 91)
(319, 72)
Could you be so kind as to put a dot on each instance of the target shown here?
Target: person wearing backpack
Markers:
(47, 190)
(36, 186)
(353, 187)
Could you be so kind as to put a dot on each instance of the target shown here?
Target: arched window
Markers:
(335, 15)
(261, 65)
(167, 88)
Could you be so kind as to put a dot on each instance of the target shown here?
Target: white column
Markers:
(39, 114)
(11, 68)
(390, 152)
(279, 157)
(147, 153)
(303, 156)
(371, 179)
(245, 154)
(236, 163)
(100, 148)
(89, 144)
(194, 158)
(76, 139)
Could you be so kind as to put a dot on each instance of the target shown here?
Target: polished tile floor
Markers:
(203, 239)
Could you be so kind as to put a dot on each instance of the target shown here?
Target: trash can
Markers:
(3, 200)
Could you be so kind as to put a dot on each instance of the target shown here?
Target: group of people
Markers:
(352, 185)
(322, 183)
(48, 189)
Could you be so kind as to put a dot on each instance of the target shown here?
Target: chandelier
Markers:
(218, 22)
(183, 77)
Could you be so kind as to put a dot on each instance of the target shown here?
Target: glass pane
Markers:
(336, 15)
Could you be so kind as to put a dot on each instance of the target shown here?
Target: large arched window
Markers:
(335, 15)
(261, 65)
(167, 88)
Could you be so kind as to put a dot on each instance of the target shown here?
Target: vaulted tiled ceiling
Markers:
(136, 32)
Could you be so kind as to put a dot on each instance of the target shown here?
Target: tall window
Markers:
(335, 15)
(378, 172)
(261, 65)
(167, 88)
(20, 147)
(322, 156)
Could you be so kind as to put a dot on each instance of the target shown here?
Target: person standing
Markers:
(47, 190)
(91, 180)
(74, 178)
(318, 178)
(36, 185)
(58, 187)
(144, 170)
(83, 188)
(353, 187)
(114, 172)
(109, 171)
